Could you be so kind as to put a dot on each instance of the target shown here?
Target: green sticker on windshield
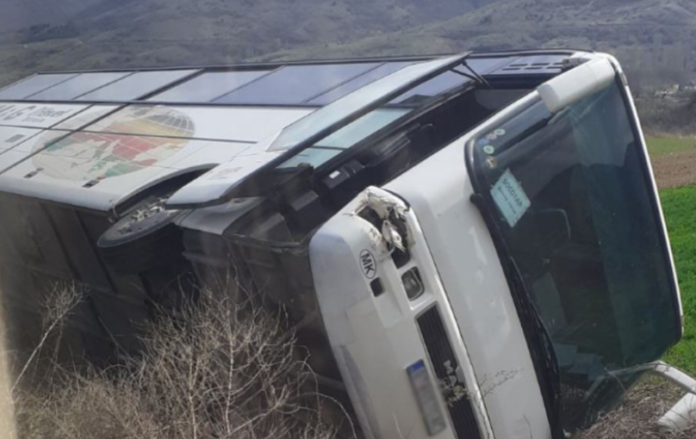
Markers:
(510, 198)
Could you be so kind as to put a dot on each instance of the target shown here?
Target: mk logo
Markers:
(368, 264)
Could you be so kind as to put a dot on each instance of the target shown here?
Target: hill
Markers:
(653, 38)
(165, 32)
(18, 14)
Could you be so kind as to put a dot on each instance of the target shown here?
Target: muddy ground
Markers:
(673, 170)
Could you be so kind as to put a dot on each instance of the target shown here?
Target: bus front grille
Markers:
(446, 367)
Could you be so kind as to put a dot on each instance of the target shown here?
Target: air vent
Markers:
(90, 184)
(449, 374)
(534, 66)
(15, 138)
(377, 287)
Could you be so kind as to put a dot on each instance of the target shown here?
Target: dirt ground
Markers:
(672, 170)
(636, 417)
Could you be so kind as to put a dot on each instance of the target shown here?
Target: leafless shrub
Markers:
(218, 369)
(56, 306)
(228, 368)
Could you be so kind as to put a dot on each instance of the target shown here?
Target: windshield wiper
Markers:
(543, 345)
(475, 74)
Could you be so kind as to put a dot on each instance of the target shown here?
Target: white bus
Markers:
(471, 245)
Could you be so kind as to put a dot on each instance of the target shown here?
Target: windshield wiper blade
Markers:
(476, 75)
(544, 345)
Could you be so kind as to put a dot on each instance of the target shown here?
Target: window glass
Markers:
(32, 85)
(208, 86)
(434, 87)
(314, 156)
(354, 102)
(572, 201)
(450, 80)
(363, 127)
(135, 86)
(296, 84)
(360, 81)
(79, 85)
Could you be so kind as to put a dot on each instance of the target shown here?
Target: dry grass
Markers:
(227, 369)
(636, 417)
(218, 369)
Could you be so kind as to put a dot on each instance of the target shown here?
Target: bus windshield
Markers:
(573, 202)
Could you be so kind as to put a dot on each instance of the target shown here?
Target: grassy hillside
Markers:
(17, 14)
(653, 37)
(680, 213)
(167, 32)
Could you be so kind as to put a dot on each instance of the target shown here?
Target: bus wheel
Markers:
(145, 238)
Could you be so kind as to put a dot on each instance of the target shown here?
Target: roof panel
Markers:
(95, 170)
(360, 81)
(208, 86)
(364, 100)
(36, 115)
(216, 123)
(532, 64)
(224, 182)
(79, 85)
(296, 84)
(450, 80)
(67, 179)
(136, 86)
(12, 136)
(86, 117)
(32, 85)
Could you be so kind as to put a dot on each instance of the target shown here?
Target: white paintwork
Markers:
(375, 339)
(11, 136)
(21, 150)
(73, 192)
(66, 169)
(683, 414)
(39, 141)
(36, 115)
(571, 86)
(216, 219)
(207, 156)
(86, 117)
(245, 124)
(213, 184)
(477, 290)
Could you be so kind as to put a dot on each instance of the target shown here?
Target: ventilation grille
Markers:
(449, 375)
(539, 66)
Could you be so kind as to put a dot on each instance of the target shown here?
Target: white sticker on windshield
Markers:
(510, 198)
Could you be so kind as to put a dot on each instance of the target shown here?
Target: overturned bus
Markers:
(473, 243)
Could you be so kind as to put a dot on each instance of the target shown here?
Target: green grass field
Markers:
(679, 206)
(662, 145)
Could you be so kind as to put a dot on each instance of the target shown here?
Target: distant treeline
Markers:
(668, 114)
